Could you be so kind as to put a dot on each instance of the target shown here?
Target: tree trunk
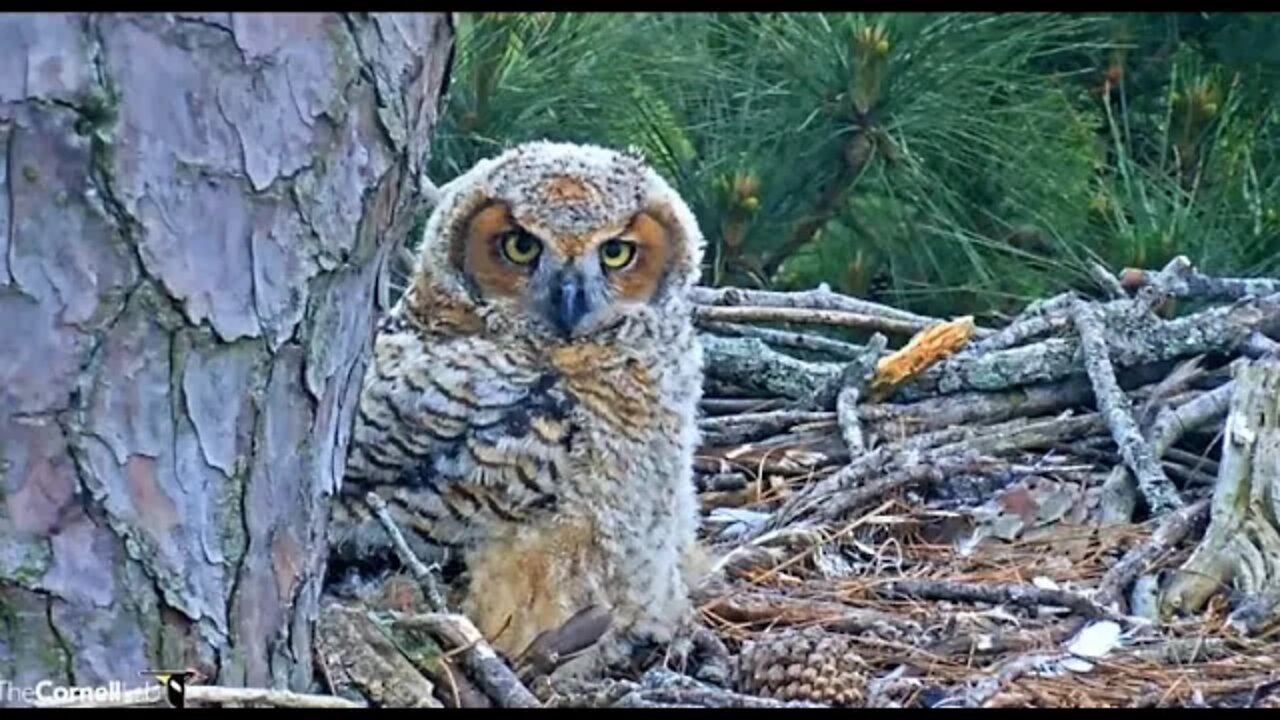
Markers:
(195, 213)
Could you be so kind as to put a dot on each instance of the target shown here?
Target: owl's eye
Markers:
(520, 247)
(616, 254)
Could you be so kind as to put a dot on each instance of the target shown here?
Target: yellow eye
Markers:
(615, 254)
(521, 248)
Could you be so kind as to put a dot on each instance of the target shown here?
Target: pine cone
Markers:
(810, 664)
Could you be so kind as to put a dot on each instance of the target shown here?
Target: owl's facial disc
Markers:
(574, 285)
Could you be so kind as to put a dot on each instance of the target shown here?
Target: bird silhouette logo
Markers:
(174, 683)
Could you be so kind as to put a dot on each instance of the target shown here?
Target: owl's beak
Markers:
(568, 302)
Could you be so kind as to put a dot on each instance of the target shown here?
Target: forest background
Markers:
(952, 163)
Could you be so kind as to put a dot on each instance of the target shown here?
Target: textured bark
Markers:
(194, 215)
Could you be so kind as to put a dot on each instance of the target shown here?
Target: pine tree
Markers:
(946, 162)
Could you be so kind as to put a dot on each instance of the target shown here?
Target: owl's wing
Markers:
(458, 435)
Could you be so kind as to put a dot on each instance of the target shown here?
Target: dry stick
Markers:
(987, 687)
(837, 318)
(754, 366)
(820, 298)
(776, 608)
(1113, 404)
(423, 574)
(1258, 613)
(1172, 529)
(1106, 280)
(931, 465)
(1169, 427)
(850, 425)
(991, 407)
(1191, 284)
(358, 653)
(729, 406)
(1219, 329)
(1258, 345)
(1039, 318)
(210, 694)
(1025, 596)
(483, 664)
(1172, 423)
(767, 422)
(928, 473)
(1242, 542)
(787, 338)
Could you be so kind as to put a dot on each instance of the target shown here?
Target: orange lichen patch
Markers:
(562, 188)
(639, 280)
(527, 574)
(925, 349)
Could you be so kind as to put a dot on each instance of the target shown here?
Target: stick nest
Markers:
(1075, 509)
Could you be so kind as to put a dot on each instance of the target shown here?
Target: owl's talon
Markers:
(698, 653)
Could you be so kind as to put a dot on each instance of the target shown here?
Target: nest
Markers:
(1075, 509)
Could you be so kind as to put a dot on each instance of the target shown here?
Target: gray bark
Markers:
(195, 211)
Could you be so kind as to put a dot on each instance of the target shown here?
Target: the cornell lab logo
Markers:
(174, 683)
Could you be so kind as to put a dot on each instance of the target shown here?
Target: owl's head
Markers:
(569, 240)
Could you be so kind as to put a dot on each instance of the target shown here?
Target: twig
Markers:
(1258, 345)
(1114, 405)
(987, 687)
(424, 575)
(728, 406)
(482, 663)
(274, 698)
(850, 425)
(1025, 596)
(1172, 529)
(820, 298)
(926, 473)
(1106, 280)
(1038, 319)
(774, 608)
(1172, 423)
(1219, 329)
(787, 338)
(837, 318)
(928, 464)
(1242, 543)
(754, 366)
(1192, 284)
(968, 408)
(727, 429)
(362, 656)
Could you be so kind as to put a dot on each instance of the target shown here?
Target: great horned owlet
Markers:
(531, 402)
